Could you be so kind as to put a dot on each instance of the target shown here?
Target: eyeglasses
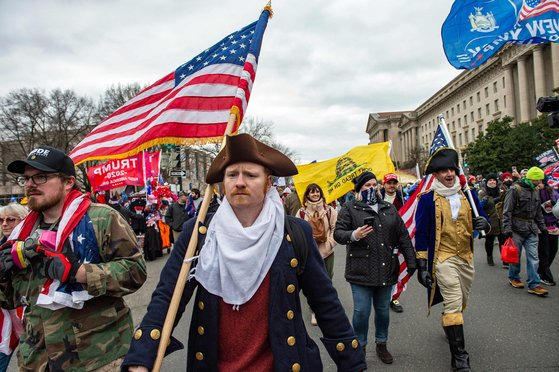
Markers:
(8, 220)
(38, 179)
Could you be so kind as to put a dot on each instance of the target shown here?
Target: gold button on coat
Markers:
(291, 340)
(202, 230)
(288, 238)
(138, 334)
(291, 288)
(155, 334)
(354, 344)
(294, 262)
(340, 346)
(296, 367)
(290, 314)
(199, 356)
(201, 305)
(201, 330)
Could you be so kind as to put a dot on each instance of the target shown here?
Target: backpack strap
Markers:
(299, 241)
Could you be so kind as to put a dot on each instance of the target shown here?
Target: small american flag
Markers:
(407, 212)
(193, 102)
(534, 8)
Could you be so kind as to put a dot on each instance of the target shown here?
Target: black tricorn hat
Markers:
(245, 148)
(443, 158)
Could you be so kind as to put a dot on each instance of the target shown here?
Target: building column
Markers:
(524, 109)
(510, 110)
(555, 64)
(539, 70)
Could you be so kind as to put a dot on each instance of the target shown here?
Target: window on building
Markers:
(497, 105)
(471, 101)
(503, 82)
(473, 134)
(465, 119)
(487, 112)
(447, 114)
(459, 123)
(472, 116)
(466, 139)
(464, 104)
(505, 101)
(459, 139)
(481, 128)
(453, 125)
(478, 96)
(486, 92)
(495, 87)
(454, 138)
(452, 111)
(479, 113)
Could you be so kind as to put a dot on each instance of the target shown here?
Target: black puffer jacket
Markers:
(373, 261)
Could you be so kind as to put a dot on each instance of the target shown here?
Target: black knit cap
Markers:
(360, 180)
(492, 176)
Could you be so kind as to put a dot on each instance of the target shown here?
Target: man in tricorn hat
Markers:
(445, 226)
(247, 313)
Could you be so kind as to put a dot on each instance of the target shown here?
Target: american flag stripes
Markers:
(534, 8)
(407, 212)
(192, 103)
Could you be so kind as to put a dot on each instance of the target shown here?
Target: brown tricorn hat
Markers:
(244, 148)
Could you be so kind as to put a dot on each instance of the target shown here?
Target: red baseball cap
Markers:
(390, 177)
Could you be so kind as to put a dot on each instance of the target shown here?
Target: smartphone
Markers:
(514, 168)
(370, 221)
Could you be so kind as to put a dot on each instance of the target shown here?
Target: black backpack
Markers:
(292, 228)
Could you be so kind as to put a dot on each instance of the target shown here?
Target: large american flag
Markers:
(534, 8)
(408, 211)
(192, 103)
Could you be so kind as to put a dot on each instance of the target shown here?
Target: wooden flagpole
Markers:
(186, 263)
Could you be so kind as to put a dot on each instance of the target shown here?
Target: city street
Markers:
(506, 329)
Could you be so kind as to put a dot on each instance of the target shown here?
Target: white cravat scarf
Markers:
(451, 193)
(235, 259)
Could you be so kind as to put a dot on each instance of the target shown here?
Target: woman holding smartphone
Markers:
(374, 233)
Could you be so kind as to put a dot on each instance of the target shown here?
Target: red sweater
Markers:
(243, 334)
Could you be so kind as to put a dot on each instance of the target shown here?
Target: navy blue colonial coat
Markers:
(285, 318)
(425, 231)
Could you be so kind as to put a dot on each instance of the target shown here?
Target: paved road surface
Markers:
(506, 329)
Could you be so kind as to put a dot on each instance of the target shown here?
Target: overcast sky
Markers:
(324, 65)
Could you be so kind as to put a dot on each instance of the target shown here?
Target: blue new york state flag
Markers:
(476, 29)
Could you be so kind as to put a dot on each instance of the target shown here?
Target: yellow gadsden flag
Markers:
(334, 175)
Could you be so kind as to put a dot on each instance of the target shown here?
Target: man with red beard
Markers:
(69, 262)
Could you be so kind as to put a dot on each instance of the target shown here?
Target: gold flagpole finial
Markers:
(268, 7)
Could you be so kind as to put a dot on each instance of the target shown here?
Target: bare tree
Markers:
(259, 129)
(114, 97)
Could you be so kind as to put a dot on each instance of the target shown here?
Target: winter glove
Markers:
(6, 261)
(60, 267)
(507, 234)
(423, 274)
(480, 223)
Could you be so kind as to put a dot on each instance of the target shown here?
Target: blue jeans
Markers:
(4, 362)
(362, 296)
(530, 243)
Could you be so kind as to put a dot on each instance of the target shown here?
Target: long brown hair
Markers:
(311, 187)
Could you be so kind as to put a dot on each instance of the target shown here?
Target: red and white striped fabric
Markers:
(407, 212)
(12, 328)
(192, 103)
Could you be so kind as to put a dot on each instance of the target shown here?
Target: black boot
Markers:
(383, 353)
(460, 358)
(490, 261)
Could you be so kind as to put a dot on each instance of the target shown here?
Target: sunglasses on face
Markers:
(8, 219)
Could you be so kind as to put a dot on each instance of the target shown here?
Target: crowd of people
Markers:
(66, 263)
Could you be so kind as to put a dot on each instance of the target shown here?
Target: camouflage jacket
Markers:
(86, 339)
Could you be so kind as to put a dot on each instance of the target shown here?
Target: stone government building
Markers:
(508, 84)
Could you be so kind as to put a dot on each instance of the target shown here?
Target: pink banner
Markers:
(151, 160)
(117, 173)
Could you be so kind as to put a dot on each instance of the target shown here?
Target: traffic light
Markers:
(176, 160)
